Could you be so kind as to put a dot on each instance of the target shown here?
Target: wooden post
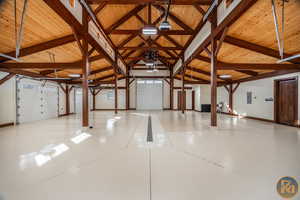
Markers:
(213, 81)
(94, 99)
(116, 83)
(85, 73)
(127, 90)
(230, 99)
(171, 89)
(193, 100)
(182, 87)
(67, 93)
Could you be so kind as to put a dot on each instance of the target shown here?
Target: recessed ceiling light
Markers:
(74, 75)
(225, 76)
(150, 30)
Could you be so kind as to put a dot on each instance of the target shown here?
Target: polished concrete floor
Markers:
(242, 159)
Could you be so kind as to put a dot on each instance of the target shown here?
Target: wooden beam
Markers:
(6, 78)
(257, 66)
(213, 69)
(236, 87)
(101, 70)
(41, 47)
(248, 72)
(131, 81)
(173, 41)
(255, 47)
(127, 83)
(116, 84)
(174, 2)
(125, 18)
(85, 72)
(76, 35)
(40, 65)
(195, 78)
(152, 47)
(143, 58)
(175, 19)
(140, 19)
(171, 89)
(103, 78)
(100, 7)
(221, 40)
(242, 7)
(200, 71)
(167, 32)
(200, 9)
(22, 72)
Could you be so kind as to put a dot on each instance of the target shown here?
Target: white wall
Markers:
(261, 89)
(105, 101)
(166, 94)
(132, 95)
(7, 100)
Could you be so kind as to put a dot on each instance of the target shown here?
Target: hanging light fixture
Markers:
(165, 25)
(149, 30)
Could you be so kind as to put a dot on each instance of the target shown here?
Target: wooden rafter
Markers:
(173, 41)
(174, 2)
(170, 32)
(175, 19)
(151, 47)
(100, 7)
(41, 47)
(41, 65)
(207, 60)
(125, 18)
(255, 47)
(257, 66)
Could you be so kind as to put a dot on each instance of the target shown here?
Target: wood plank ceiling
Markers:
(251, 39)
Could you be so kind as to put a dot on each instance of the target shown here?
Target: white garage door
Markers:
(78, 100)
(149, 95)
(36, 100)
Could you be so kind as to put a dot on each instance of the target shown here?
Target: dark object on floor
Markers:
(91, 127)
(205, 107)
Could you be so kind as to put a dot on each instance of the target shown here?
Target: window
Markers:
(149, 82)
(72, 3)
(228, 3)
(140, 82)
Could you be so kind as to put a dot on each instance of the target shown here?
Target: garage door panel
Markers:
(149, 95)
(36, 100)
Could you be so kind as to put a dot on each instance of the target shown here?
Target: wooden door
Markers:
(180, 104)
(193, 100)
(286, 101)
